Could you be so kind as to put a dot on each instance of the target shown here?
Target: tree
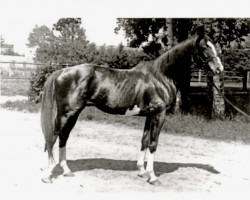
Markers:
(38, 36)
(224, 31)
(65, 43)
(170, 35)
(63, 22)
(155, 31)
(143, 31)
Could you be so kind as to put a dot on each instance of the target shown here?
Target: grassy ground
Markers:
(12, 87)
(22, 105)
(236, 129)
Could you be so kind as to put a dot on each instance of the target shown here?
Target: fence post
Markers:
(25, 69)
(247, 79)
(199, 77)
(10, 68)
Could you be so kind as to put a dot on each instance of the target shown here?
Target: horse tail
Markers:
(49, 112)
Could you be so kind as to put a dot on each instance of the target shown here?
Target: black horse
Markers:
(149, 90)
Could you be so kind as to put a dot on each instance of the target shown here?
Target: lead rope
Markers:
(229, 102)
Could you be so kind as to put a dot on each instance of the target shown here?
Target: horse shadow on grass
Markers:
(128, 165)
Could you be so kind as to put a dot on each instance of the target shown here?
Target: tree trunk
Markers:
(170, 33)
(216, 98)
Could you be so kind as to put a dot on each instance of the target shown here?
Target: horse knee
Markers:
(144, 143)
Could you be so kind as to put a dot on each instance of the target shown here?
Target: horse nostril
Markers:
(218, 71)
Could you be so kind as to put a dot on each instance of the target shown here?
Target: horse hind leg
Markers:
(67, 123)
(63, 162)
(64, 124)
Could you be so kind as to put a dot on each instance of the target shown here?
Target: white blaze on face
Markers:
(212, 47)
(220, 68)
(135, 111)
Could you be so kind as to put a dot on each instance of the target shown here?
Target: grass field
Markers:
(13, 87)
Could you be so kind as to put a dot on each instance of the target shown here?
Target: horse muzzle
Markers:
(216, 66)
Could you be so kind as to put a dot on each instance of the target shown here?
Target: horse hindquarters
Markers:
(66, 99)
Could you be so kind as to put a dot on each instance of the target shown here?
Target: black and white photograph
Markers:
(124, 99)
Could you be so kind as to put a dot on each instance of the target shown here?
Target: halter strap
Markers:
(203, 61)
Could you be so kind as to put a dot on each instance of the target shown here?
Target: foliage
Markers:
(66, 43)
(37, 81)
(138, 31)
(225, 31)
(120, 57)
(153, 31)
(64, 22)
(236, 61)
(39, 36)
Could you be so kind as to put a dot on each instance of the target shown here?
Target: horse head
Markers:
(206, 56)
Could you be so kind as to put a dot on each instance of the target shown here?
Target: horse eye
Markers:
(203, 48)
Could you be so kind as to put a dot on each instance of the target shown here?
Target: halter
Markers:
(199, 59)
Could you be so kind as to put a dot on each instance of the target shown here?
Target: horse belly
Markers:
(115, 98)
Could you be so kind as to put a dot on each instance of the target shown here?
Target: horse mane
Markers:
(168, 63)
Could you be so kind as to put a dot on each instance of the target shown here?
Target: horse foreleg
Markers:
(144, 146)
(155, 128)
(140, 164)
(150, 168)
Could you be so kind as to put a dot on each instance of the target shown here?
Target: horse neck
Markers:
(176, 62)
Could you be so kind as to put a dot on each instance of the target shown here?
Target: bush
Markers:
(236, 60)
(37, 81)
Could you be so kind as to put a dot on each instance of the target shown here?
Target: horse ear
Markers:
(200, 33)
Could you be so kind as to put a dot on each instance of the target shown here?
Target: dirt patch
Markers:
(103, 159)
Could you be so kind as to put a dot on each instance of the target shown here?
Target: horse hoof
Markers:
(155, 182)
(69, 174)
(47, 180)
